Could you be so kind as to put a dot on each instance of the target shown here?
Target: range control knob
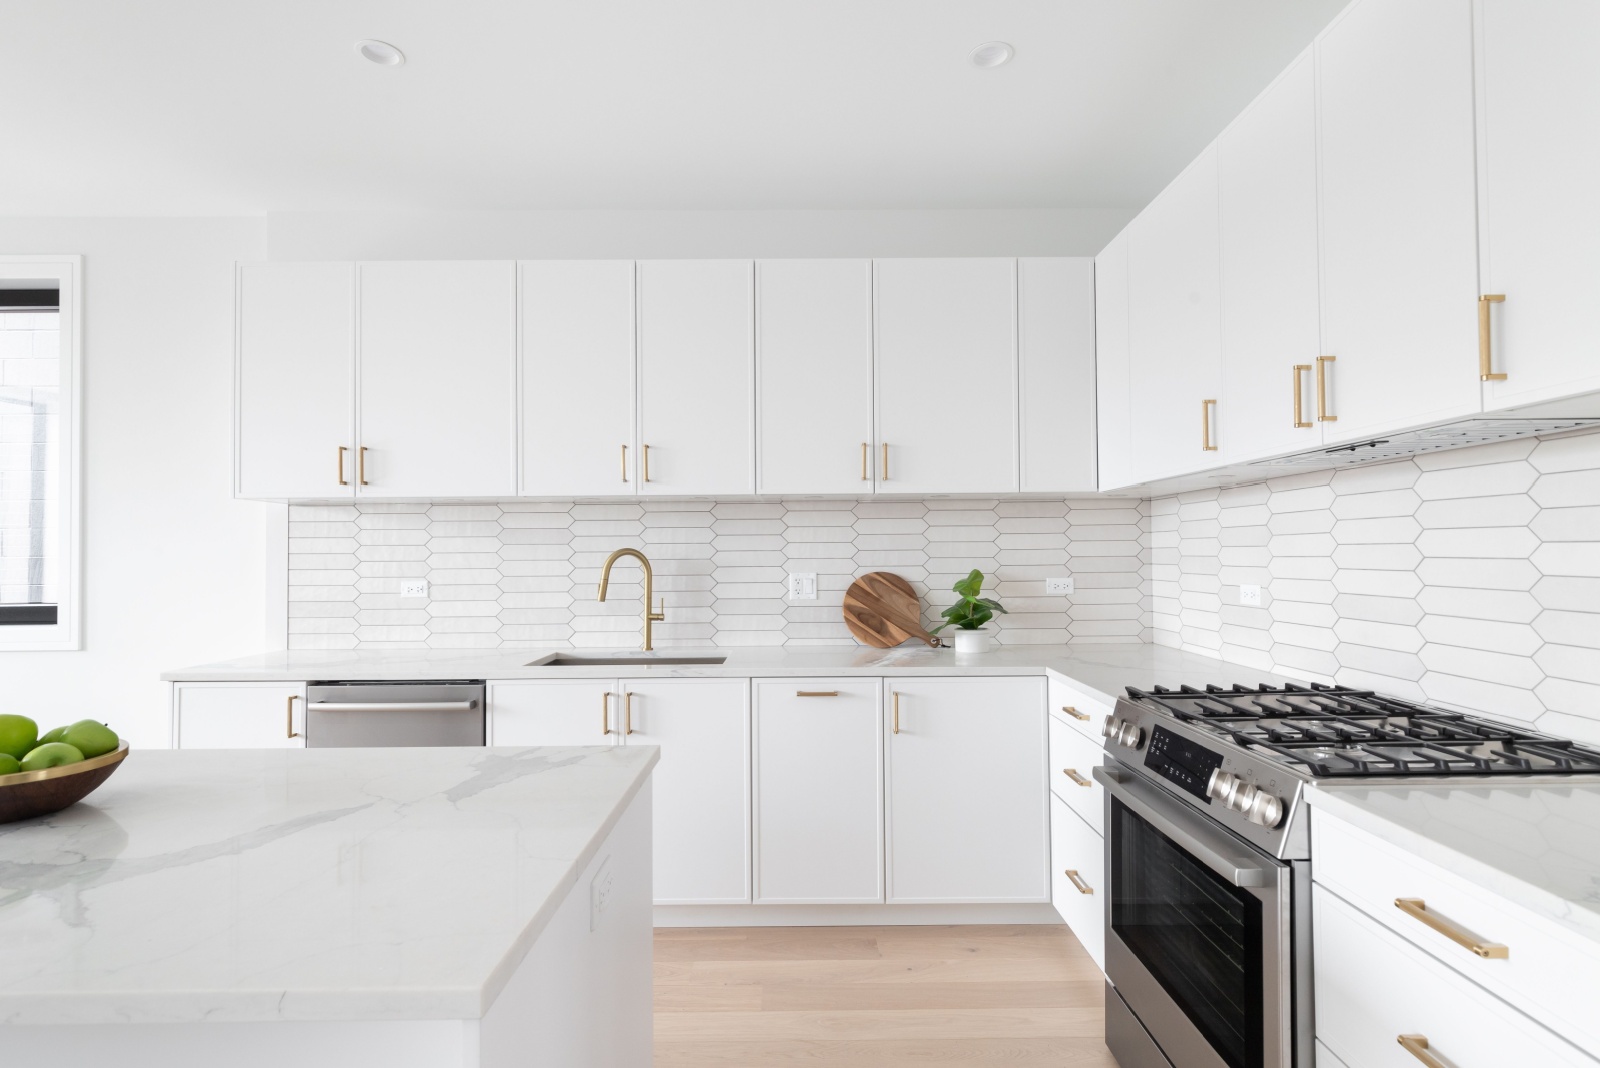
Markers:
(1265, 810)
(1108, 729)
(1130, 735)
(1244, 795)
(1220, 785)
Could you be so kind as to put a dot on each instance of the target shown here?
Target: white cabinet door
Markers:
(696, 377)
(577, 413)
(1113, 412)
(239, 715)
(1077, 878)
(296, 364)
(1399, 235)
(814, 375)
(1175, 329)
(538, 712)
(436, 379)
(1267, 186)
(945, 338)
(701, 787)
(1055, 374)
(965, 773)
(1539, 163)
(818, 791)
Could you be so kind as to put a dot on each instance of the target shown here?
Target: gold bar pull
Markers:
(1322, 390)
(1205, 426)
(816, 693)
(1072, 773)
(361, 465)
(865, 448)
(342, 480)
(289, 728)
(624, 463)
(885, 464)
(897, 713)
(1074, 713)
(605, 713)
(1485, 363)
(1077, 881)
(647, 463)
(627, 713)
(1417, 1046)
(1418, 909)
(1300, 420)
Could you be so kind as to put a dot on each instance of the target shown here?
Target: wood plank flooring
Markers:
(876, 997)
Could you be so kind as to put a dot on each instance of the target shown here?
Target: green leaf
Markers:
(992, 605)
(971, 585)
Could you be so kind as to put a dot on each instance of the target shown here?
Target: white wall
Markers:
(173, 566)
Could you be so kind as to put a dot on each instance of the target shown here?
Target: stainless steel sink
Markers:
(637, 659)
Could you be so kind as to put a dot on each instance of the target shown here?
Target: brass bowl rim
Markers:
(101, 761)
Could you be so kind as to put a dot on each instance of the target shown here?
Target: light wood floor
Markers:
(876, 997)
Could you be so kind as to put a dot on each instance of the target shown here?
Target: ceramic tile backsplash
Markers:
(1468, 578)
(527, 573)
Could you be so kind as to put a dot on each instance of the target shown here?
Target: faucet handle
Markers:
(661, 615)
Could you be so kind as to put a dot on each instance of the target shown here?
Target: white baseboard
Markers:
(848, 915)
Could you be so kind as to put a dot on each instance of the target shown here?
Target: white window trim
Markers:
(67, 631)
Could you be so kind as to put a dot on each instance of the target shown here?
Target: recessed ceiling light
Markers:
(381, 52)
(991, 54)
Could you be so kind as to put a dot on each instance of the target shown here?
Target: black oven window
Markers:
(1199, 935)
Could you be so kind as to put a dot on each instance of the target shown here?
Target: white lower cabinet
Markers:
(1073, 759)
(817, 793)
(1078, 878)
(239, 715)
(536, 712)
(966, 797)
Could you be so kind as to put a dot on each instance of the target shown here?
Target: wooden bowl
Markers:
(39, 793)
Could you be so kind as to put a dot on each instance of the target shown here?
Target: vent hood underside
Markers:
(1398, 446)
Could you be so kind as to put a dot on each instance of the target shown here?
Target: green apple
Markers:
(90, 738)
(51, 755)
(52, 735)
(9, 764)
(18, 735)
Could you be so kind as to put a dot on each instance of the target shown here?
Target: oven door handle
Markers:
(1189, 831)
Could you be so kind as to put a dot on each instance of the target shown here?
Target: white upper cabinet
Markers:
(577, 415)
(696, 369)
(295, 428)
(436, 382)
(1113, 414)
(1267, 197)
(1539, 164)
(945, 339)
(1055, 372)
(1175, 331)
(1399, 239)
(814, 375)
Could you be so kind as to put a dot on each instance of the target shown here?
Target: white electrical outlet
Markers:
(599, 893)
(1060, 584)
(414, 587)
(803, 586)
(1250, 595)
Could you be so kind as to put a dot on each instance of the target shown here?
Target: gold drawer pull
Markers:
(1074, 713)
(342, 480)
(1206, 444)
(1418, 909)
(1300, 420)
(1077, 881)
(1322, 389)
(627, 713)
(1072, 773)
(897, 713)
(884, 474)
(361, 466)
(816, 693)
(1417, 1046)
(290, 714)
(1485, 356)
(647, 463)
(864, 449)
(605, 713)
(624, 463)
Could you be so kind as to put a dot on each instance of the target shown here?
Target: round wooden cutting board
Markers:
(882, 610)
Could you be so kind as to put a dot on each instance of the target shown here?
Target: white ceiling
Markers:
(245, 106)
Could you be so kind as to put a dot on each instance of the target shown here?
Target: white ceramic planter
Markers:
(971, 641)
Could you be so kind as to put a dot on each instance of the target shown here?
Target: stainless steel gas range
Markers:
(1208, 850)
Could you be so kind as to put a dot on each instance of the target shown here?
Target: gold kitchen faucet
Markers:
(649, 588)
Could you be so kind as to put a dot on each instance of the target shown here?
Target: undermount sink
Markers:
(645, 659)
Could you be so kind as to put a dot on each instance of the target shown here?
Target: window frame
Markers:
(66, 633)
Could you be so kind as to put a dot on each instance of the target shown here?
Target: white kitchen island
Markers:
(409, 908)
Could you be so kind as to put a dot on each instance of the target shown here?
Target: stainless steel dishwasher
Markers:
(384, 715)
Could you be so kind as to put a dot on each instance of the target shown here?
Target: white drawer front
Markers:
(1075, 847)
(1548, 973)
(1072, 760)
(1078, 710)
(1372, 987)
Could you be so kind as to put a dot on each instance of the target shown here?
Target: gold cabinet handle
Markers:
(627, 713)
(647, 463)
(816, 693)
(1322, 390)
(865, 448)
(1418, 909)
(1074, 713)
(1300, 420)
(885, 464)
(605, 713)
(289, 716)
(1417, 1046)
(1205, 426)
(624, 463)
(1077, 881)
(361, 465)
(1072, 773)
(342, 480)
(1485, 362)
(897, 713)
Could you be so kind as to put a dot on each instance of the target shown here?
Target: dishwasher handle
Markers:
(394, 706)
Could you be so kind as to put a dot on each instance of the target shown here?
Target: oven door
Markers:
(1198, 938)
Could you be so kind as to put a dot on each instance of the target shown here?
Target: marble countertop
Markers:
(1100, 670)
(1535, 843)
(318, 884)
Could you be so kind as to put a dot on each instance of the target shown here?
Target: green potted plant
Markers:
(969, 614)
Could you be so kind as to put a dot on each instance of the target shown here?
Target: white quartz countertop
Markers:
(317, 884)
(1535, 843)
(1100, 670)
